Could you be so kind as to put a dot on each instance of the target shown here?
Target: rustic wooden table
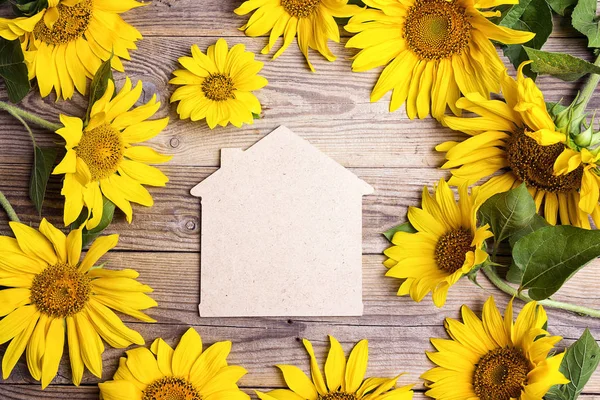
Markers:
(331, 109)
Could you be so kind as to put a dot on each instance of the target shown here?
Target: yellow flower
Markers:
(433, 50)
(101, 158)
(53, 295)
(341, 381)
(572, 160)
(495, 358)
(447, 245)
(66, 43)
(218, 85)
(311, 20)
(184, 373)
(517, 134)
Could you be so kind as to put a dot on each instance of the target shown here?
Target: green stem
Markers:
(586, 93)
(12, 215)
(491, 274)
(14, 111)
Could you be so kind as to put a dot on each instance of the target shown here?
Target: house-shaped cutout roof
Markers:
(281, 232)
(282, 143)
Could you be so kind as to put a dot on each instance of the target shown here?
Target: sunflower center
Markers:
(437, 29)
(500, 374)
(102, 151)
(171, 388)
(452, 248)
(218, 87)
(300, 8)
(337, 396)
(60, 290)
(534, 164)
(71, 24)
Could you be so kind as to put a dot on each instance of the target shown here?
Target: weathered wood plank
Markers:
(27, 392)
(399, 329)
(184, 18)
(330, 108)
(269, 342)
(174, 220)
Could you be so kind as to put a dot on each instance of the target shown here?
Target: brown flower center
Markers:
(300, 8)
(337, 396)
(60, 291)
(102, 151)
(71, 24)
(534, 164)
(437, 29)
(218, 87)
(171, 388)
(451, 249)
(501, 374)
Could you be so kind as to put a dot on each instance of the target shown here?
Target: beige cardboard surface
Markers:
(281, 232)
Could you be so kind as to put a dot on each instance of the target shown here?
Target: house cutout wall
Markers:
(281, 232)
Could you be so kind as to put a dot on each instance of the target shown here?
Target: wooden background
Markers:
(331, 109)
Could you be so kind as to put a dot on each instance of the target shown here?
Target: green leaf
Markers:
(508, 212)
(515, 274)
(578, 365)
(512, 14)
(43, 161)
(584, 19)
(531, 16)
(99, 85)
(517, 55)
(561, 6)
(562, 66)
(256, 116)
(28, 8)
(405, 227)
(13, 70)
(108, 211)
(537, 222)
(551, 255)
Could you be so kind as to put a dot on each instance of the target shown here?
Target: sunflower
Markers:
(495, 359)
(52, 294)
(65, 43)
(341, 381)
(218, 85)
(518, 135)
(432, 49)
(447, 245)
(312, 20)
(101, 160)
(184, 373)
(577, 156)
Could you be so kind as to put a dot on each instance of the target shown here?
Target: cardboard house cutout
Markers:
(281, 232)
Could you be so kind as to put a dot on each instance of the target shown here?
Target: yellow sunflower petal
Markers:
(16, 347)
(119, 390)
(298, 382)
(143, 365)
(77, 365)
(90, 343)
(335, 365)
(33, 243)
(186, 353)
(36, 347)
(317, 377)
(55, 339)
(164, 356)
(356, 366)
(100, 247)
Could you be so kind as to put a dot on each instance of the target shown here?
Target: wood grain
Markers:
(336, 116)
(27, 392)
(331, 109)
